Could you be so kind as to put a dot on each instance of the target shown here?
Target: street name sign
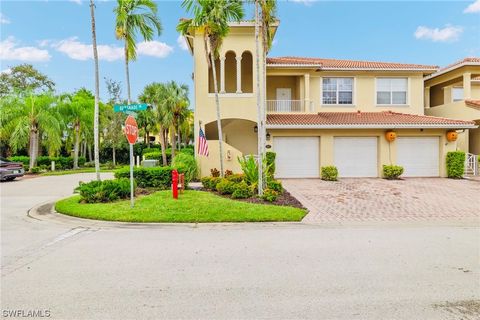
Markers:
(130, 107)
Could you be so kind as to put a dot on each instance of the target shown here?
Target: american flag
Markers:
(202, 144)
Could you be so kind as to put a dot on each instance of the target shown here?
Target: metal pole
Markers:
(132, 201)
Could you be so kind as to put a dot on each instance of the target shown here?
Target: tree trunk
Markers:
(113, 156)
(259, 104)
(76, 146)
(97, 94)
(33, 148)
(162, 146)
(217, 103)
(148, 138)
(179, 138)
(89, 152)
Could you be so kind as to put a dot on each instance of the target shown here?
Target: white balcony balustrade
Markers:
(289, 106)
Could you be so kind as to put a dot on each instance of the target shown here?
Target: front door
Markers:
(284, 100)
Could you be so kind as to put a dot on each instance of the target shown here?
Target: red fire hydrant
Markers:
(175, 184)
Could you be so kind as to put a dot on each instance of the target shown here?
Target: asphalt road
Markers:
(74, 270)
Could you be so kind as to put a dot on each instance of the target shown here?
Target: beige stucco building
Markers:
(320, 112)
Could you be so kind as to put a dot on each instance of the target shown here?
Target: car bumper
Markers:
(11, 174)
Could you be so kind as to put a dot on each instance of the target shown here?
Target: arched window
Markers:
(230, 72)
(247, 72)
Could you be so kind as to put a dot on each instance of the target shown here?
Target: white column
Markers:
(239, 74)
(222, 74)
(467, 85)
(307, 92)
(426, 98)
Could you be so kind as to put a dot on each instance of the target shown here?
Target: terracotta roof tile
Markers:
(370, 119)
(347, 64)
(473, 103)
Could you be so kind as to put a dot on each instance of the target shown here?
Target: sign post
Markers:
(131, 131)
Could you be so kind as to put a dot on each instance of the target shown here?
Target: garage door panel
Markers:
(296, 157)
(419, 156)
(356, 156)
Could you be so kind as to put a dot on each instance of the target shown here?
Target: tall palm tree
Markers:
(25, 117)
(97, 94)
(212, 18)
(146, 121)
(134, 16)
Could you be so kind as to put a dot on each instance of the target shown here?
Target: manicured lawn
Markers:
(192, 206)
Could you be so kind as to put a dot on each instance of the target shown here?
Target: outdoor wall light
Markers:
(268, 136)
(255, 129)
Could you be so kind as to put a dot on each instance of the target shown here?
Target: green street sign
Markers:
(130, 107)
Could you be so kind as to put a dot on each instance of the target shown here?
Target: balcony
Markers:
(289, 106)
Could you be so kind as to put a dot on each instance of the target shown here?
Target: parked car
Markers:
(10, 170)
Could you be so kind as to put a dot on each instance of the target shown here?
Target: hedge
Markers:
(60, 162)
(392, 172)
(455, 164)
(104, 191)
(156, 177)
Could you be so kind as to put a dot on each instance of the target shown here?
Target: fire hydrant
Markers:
(175, 184)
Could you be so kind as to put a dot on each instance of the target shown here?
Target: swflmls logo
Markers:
(19, 313)
(130, 107)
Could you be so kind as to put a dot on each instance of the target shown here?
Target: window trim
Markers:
(407, 96)
(329, 105)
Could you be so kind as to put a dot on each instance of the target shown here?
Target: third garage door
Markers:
(356, 156)
(418, 156)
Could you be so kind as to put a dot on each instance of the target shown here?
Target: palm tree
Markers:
(146, 121)
(154, 94)
(212, 17)
(97, 94)
(25, 117)
(134, 16)
(77, 111)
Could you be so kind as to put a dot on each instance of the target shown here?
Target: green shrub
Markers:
(23, 159)
(63, 162)
(35, 170)
(156, 177)
(269, 195)
(249, 168)
(89, 164)
(210, 183)
(392, 172)
(43, 160)
(154, 155)
(241, 191)
(225, 186)
(455, 164)
(189, 151)
(275, 185)
(237, 177)
(186, 164)
(104, 191)
(329, 173)
(81, 161)
(270, 158)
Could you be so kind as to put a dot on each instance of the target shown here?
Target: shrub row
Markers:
(60, 162)
(156, 177)
(104, 191)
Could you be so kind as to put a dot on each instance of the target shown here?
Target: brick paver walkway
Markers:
(380, 200)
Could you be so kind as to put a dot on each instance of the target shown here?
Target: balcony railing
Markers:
(288, 106)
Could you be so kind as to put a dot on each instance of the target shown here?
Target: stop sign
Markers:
(131, 130)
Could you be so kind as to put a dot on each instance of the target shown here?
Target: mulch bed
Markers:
(285, 199)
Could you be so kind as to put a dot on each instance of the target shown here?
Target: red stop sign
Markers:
(131, 130)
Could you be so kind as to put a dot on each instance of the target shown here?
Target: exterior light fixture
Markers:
(255, 129)
(268, 136)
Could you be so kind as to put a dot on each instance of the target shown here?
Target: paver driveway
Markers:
(379, 200)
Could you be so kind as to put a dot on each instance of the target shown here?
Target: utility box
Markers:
(149, 163)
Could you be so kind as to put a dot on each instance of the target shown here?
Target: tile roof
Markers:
(364, 119)
(473, 103)
(455, 65)
(346, 64)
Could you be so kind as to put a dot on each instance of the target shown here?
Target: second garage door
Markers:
(356, 156)
(297, 157)
(418, 156)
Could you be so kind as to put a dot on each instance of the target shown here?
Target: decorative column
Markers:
(307, 92)
(239, 74)
(222, 74)
(426, 98)
(467, 85)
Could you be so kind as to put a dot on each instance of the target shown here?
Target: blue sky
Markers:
(55, 37)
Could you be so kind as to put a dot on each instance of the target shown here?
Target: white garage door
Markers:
(418, 156)
(297, 157)
(356, 156)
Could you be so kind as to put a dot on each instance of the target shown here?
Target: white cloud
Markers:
(77, 50)
(182, 43)
(447, 34)
(473, 7)
(9, 50)
(154, 48)
(305, 2)
(76, 1)
(4, 19)
(6, 71)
